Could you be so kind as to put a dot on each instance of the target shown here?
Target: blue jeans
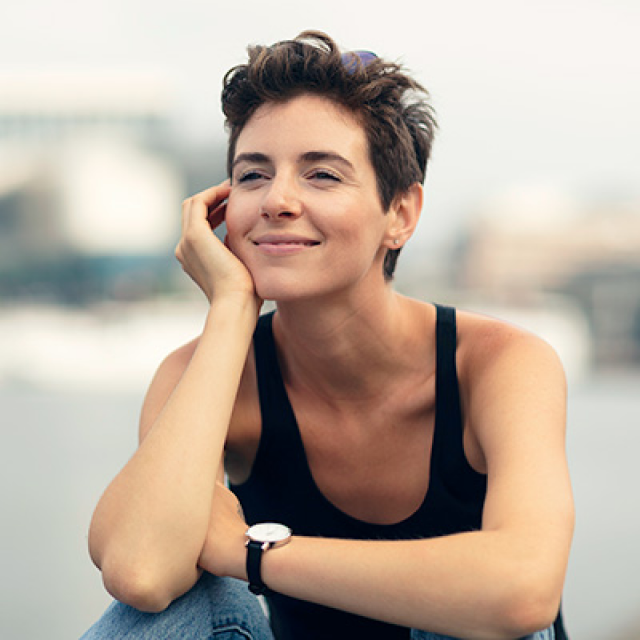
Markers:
(214, 609)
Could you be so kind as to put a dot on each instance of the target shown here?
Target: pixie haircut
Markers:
(392, 107)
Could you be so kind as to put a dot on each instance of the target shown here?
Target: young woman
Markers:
(409, 457)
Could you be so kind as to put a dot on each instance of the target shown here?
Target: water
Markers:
(602, 597)
(61, 449)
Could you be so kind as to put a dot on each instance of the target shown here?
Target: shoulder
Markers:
(489, 346)
(513, 393)
(246, 414)
(512, 385)
(164, 381)
(244, 427)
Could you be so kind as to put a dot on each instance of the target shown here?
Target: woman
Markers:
(415, 453)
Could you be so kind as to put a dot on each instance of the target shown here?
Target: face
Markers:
(304, 213)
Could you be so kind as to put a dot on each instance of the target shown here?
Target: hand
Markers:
(209, 263)
(224, 551)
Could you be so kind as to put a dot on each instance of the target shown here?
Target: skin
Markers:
(306, 228)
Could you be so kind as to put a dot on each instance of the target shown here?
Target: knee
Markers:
(117, 618)
(214, 607)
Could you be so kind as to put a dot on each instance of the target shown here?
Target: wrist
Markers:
(263, 540)
(231, 288)
(237, 308)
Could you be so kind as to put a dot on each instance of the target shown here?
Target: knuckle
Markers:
(190, 236)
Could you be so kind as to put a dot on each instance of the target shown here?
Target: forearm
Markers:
(471, 585)
(151, 523)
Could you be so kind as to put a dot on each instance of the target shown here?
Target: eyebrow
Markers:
(309, 156)
(251, 158)
(326, 156)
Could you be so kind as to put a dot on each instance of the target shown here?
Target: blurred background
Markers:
(109, 117)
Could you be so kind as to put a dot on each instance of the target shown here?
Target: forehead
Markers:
(303, 123)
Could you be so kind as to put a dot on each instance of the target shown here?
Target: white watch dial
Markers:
(269, 532)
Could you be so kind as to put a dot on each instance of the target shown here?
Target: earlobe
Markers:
(404, 214)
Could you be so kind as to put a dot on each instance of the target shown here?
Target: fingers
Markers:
(212, 196)
(216, 215)
(207, 205)
(203, 256)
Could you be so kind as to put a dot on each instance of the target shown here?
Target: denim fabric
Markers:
(215, 609)
(547, 634)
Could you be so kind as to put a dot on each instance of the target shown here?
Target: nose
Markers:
(282, 199)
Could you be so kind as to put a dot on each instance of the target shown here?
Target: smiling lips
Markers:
(283, 244)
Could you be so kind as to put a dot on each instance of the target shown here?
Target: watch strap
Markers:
(254, 560)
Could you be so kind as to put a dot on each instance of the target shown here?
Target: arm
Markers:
(149, 527)
(503, 581)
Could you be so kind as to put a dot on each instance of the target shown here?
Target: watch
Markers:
(260, 537)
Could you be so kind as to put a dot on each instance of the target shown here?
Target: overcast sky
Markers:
(542, 94)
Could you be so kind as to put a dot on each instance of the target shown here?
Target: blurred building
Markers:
(89, 192)
(38, 109)
(532, 243)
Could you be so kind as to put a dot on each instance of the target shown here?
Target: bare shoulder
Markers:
(245, 426)
(513, 393)
(488, 345)
(512, 387)
(164, 382)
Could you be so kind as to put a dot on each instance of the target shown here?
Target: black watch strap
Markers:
(254, 560)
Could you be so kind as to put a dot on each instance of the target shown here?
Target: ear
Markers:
(403, 216)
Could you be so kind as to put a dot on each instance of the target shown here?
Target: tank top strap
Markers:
(447, 392)
(448, 458)
(280, 440)
(271, 390)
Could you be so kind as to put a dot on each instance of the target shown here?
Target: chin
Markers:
(293, 285)
(278, 293)
(286, 290)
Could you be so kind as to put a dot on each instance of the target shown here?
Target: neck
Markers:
(345, 351)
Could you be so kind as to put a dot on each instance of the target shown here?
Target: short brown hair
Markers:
(392, 107)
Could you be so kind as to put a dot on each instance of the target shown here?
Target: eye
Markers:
(249, 176)
(323, 174)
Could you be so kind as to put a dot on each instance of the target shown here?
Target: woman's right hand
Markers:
(207, 261)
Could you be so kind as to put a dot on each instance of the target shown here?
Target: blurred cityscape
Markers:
(92, 174)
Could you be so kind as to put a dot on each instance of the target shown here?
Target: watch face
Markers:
(268, 532)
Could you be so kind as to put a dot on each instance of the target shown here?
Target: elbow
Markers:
(128, 580)
(529, 608)
(137, 589)
(133, 583)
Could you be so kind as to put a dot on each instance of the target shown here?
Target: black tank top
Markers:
(281, 487)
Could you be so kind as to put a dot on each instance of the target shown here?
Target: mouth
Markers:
(285, 241)
(284, 244)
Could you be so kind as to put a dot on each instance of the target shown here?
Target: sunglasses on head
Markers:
(352, 59)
